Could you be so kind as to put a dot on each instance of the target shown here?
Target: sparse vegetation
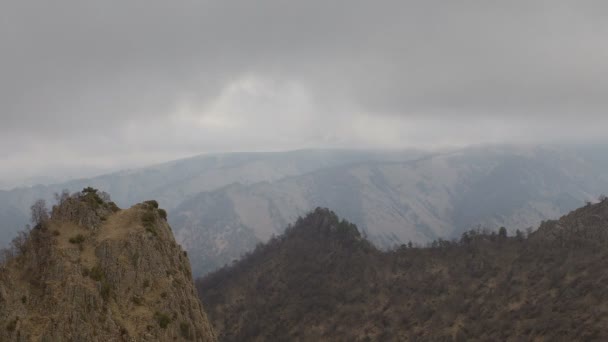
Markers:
(49, 269)
(184, 329)
(88, 208)
(163, 214)
(137, 300)
(152, 204)
(96, 273)
(485, 286)
(39, 214)
(78, 239)
(12, 325)
(163, 319)
(148, 218)
(105, 291)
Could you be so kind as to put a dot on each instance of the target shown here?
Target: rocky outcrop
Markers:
(124, 279)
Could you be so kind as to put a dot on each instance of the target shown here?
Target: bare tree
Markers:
(104, 196)
(61, 198)
(39, 213)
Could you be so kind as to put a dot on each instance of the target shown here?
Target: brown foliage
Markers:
(314, 284)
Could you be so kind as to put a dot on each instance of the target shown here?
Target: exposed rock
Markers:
(122, 278)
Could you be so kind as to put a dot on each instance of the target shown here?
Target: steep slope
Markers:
(93, 272)
(393, 203)
(170, 183)
(321, 281)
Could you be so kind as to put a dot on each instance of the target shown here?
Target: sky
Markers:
(92, 86)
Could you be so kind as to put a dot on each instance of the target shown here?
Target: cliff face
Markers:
(93, 272)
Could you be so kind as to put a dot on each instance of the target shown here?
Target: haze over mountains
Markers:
(220, 206)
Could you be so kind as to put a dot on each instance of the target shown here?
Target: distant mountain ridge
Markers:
(438, 196)
(173, 182)
(222, 205)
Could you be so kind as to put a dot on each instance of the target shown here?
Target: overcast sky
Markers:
(91, 85)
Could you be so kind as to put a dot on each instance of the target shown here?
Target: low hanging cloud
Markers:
(123, 83)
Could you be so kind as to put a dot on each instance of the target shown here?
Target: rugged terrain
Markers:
(89, 271)
(421, 200)
(220, 206)
(173, 182)
(322, 281)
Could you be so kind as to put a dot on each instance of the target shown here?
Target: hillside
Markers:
(89, 271)
(322, 281)
(421, 200)
(173, 182)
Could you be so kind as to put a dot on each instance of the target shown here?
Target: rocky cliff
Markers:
(92, 272)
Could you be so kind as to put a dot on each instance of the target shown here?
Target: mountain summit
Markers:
(89, 271)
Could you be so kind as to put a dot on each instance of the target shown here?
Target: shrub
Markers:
(148, 218)
(152, 203)
(113, 207)
(163, 214)
(184, 329)
(105, 291)
(77, 239)
(96, 273)
(162, 319)
(151, 231)
(12, 325)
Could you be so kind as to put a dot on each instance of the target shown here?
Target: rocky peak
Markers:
(323, 223)
(586, 224)
(93, 272)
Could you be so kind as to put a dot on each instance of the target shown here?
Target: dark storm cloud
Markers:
(110, 77)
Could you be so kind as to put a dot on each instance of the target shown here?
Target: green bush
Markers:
(152, 203)
(12, 325)
(96, 273)
(77, 239)
(162, 319)
(163, 214)
(113, 207)
(148, 218)
(105, 291)
(137, 300)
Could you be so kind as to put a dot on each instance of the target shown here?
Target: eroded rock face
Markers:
(125, 280)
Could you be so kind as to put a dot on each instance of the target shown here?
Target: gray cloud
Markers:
(115, 83)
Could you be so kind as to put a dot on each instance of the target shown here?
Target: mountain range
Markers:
(220, 206)
(393, 203)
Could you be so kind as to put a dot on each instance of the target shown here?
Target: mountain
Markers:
(92, 272)
(173, 182)
(222, 205)
(434, 196)
(321, 281)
